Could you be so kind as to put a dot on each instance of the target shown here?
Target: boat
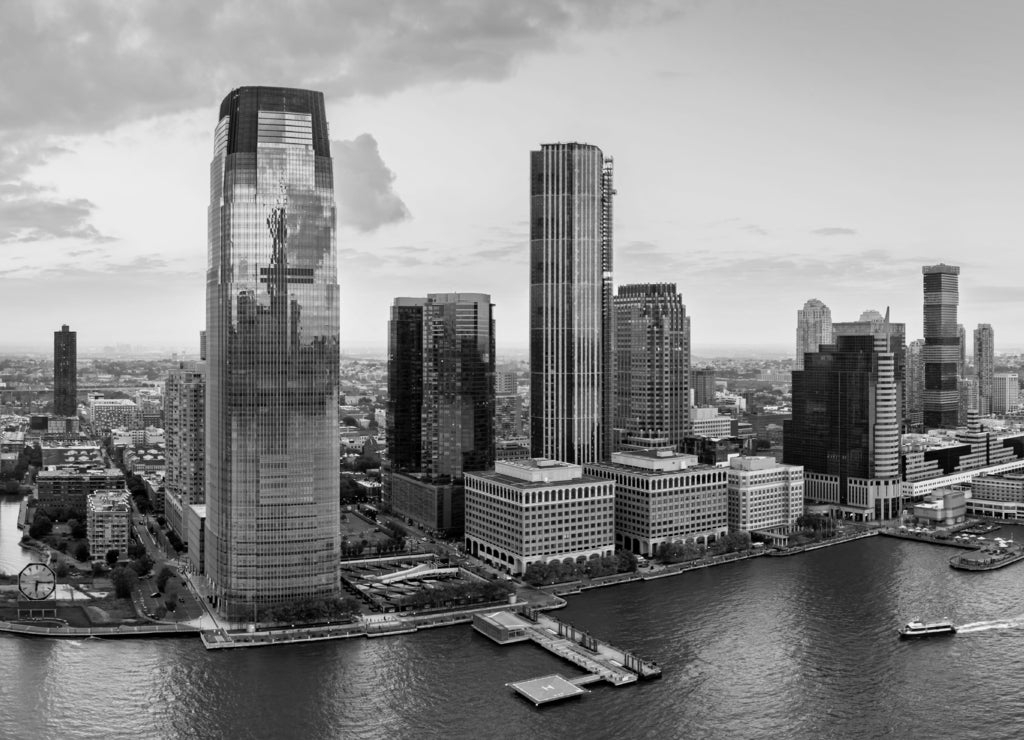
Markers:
(920, 629)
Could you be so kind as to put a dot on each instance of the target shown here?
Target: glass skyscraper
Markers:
(65, 372)
(572, 391)
(272, 527)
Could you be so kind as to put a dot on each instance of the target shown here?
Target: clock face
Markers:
(36, 581)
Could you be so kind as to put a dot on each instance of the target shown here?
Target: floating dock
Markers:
(547, 689)
(601, 660)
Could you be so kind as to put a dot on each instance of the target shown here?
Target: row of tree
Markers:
(560, 571)
(457, 592)
(680, 552)
(312, 610)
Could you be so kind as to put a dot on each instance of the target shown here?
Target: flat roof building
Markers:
(538, 510)
(764, 494)
(108, 518)
(663, 496)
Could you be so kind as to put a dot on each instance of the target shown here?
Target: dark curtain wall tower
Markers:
(941, 353)
(65, 372)
(272, 527)
(572, 394)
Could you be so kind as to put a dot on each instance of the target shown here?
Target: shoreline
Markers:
(386, 625)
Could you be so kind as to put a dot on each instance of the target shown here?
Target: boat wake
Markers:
(993, 624)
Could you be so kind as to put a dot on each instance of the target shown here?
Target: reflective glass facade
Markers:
(571, 319)
(272, 314)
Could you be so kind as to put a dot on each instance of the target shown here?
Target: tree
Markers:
(79, 529)
(171, 602)
(135, 550)
(61, 569)
(627, 562)
(112, 556)
(41, 526)
(162, 577)
(81, 552)
(123, 580)
(143, 564)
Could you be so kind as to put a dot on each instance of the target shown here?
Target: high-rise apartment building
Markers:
(702, 382)
(941, 353)
(984, 365)
(915, 384)
(571, 332)
(813, 329)
(65, 372)
(272, 314)
(185, 439)
(968, 388)
(441, 410)
(1005, 392)
(845, 429)
(961, 367)
(652, 365)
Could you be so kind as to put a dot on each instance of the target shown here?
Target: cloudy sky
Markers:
(765, 153)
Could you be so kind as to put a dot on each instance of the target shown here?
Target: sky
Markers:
(765, 153)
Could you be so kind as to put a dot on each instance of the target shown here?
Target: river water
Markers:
(798, 647)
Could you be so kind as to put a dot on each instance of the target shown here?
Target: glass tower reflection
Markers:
(272, 527)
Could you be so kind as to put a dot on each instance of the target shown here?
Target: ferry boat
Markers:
(920, 629)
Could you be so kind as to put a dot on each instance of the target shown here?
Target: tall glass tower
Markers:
(65, 372)
(272, 526)
(572, 397)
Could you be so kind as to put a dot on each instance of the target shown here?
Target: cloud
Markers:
(363, 185)
(87, 67)
(29, 214)
(74, 67)
(834, 231)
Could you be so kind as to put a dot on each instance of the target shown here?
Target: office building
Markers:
(888, 336)
(652, 364)
(845, 429)
(537, 510)
(1005, 391)
(764, 495)
(984, 365)
(65, 372)
(664, 496)
(961, 367)
(445, 426)
(702, 383)
(813, 329)
(572, 399)
(108, 519)
(941, 352)
(272, 313)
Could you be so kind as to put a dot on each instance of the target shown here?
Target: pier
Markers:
(601, 660)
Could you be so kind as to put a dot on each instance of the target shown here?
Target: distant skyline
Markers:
(765, 154)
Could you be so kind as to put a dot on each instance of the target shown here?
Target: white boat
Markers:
(920, 629)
